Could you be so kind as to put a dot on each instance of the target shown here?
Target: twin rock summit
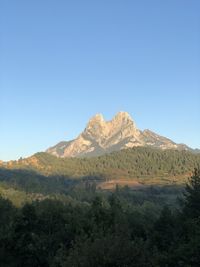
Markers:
(100, 137)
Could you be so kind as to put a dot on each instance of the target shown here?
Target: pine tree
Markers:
(192, 196)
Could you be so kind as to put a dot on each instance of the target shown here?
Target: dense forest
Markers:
(21, 186)
(139, 162)
(53, 214)
(161, 173)
(106, 230)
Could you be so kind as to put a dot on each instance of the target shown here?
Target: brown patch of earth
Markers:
(111, 184)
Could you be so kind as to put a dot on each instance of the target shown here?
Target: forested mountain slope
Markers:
(130, 163)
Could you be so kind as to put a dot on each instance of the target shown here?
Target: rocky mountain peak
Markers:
(102, 136)
(102, 130)
(122, 115)
(123, 119)
(98, 118)
(95, 127)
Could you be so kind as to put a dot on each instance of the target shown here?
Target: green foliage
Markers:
(113, 229)
(192, 195)
(45, 174)
(136, 162)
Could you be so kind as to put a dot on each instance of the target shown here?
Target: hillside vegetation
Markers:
(153, 173)
(106, 231)
(130, 163)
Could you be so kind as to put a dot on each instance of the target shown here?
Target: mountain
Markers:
(100, 137)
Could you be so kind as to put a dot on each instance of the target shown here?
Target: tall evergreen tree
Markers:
(192, 196)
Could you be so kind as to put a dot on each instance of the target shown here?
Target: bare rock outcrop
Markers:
(102, 136)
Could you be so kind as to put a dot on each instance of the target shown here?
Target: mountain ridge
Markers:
(101, 137)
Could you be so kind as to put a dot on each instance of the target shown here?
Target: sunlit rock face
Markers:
(102, 136)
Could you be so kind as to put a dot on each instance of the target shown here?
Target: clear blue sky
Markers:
(63, 61)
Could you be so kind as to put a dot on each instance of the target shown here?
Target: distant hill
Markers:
(100, 137)
(138, 162)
